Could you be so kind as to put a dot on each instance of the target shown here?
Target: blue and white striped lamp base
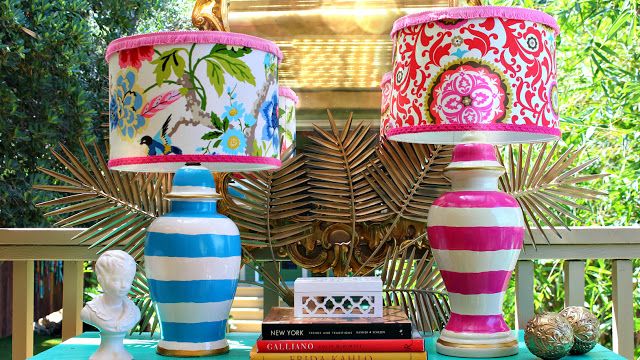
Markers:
(192, 262)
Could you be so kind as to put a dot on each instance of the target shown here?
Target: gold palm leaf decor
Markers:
(340, 193)
(267, 206)
(543, 181)
(407, 177)
(411, 280)
(118, 205)
(140, 295)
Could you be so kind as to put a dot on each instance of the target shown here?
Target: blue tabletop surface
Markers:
(142, 347)
(599, 352)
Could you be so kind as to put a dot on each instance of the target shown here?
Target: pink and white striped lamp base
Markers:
(476, 234)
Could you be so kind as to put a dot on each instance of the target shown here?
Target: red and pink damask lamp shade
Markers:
(484, 69)
(385, 108)
(474, 77)
(193, 97)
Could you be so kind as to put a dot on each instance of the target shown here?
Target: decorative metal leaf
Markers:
(337, 163)
(411, 280)
(408, 178)
(140, 295)
(264, 204)
(119, 205)
(543, 183)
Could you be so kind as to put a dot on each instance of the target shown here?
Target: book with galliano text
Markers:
(415, 344)
(255, 355)
(280, 324)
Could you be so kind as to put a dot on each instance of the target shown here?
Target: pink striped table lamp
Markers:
(475, 77)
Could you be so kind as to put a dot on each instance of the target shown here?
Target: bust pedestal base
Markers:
(111, 347)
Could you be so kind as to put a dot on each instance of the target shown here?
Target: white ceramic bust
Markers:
(112, 312)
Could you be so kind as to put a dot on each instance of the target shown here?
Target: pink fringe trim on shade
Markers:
(475, 12)
(474, 127)
(140, 160)
(288, 93)
(192, 37)
(386, 78)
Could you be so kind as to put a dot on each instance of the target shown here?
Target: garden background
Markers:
(53, 88)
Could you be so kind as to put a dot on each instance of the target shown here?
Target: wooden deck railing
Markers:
(619, 244)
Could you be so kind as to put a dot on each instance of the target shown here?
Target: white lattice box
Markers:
(338, 297)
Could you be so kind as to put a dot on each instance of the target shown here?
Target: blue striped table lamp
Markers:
(191, 103)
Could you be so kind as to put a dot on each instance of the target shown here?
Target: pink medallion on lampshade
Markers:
(385, 87)
(483, 68)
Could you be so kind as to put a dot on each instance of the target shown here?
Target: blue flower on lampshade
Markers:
(269, 111)
(233, 142)
(234, 112)
(249, 120)
(124, 107)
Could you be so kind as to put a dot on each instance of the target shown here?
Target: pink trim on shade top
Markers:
(473, 127)
(193, 158)
(476, 12)
(385, 78)
(486, 238)
(488, 282)
(473, 152)
(476, 199)
(487, 324)
(190, 37)
(288, 93)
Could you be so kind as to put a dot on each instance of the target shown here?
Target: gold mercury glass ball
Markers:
(548, 336)
(586, 328)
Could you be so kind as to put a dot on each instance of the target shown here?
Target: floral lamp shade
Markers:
(193, 97)
(385, 87)
(474, 69)
(287, 115)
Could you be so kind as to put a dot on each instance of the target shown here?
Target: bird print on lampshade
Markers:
(160, 144)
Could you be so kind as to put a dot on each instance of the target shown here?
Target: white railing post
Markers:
(524, 293)
(622, 290)
(22, 313)
(573, 272)
(72, 298)
(243, 273)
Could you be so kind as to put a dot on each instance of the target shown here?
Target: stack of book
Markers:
(285, 337)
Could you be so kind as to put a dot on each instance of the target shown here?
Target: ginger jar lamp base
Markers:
(192, 262)
(476, 234)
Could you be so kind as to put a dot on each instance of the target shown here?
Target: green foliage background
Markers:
(53, 84)
(53, 88)
(599, 95)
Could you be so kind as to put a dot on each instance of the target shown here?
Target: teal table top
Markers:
(142, 347)
(599, 352)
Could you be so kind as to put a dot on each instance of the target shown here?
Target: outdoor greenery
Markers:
(53, 88)
(599, 95)
(53, 84)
